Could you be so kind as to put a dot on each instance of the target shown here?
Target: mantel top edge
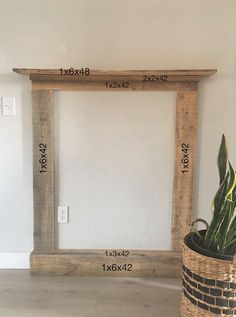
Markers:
(176, 72)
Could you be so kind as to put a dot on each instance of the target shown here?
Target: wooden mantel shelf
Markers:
(177, 72)
(71, 79)
(46, 257)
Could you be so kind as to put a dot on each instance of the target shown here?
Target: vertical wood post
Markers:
(43, 170)
(185, 165)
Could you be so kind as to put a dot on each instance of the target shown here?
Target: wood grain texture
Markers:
(118, 72)
(45, 259)
(101, 86)
(185, 165)
(43, 169)
(90, 263)
(117, 78)
(74, 296)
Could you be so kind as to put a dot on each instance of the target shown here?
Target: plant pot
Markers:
(195, 243)
(209, 281)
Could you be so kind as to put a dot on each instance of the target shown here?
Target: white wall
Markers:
(115, 168)
(105, 34)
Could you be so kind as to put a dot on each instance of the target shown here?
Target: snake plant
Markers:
(221, 233)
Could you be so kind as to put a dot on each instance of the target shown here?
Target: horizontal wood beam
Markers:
(112, 86)
(100, 263)
(177, 72)
(122, 78)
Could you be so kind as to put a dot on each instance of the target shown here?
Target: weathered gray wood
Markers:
(117, 78)
(185, 165)
(120, 72)
(45, 259)
(91, 262)
(98, 85)
(43, 170)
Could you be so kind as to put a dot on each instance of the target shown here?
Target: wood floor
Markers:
(23, 295)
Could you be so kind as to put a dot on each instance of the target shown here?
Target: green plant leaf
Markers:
(222, 159)
(232, 231)
(231, 183)
(215, 225)
(229, 212)
(221, 234)
(224, 228)
(230, 245)
(220, 196)
(234, 196)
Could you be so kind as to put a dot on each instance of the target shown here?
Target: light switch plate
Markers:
(8, 106)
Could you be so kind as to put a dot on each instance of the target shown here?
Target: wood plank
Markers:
(43, 169)
(75, 296)
(102, 86)
(97, 263)
(118, 78)
(118, 72)
(185, 165)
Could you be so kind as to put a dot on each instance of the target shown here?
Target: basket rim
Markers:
(213, 255)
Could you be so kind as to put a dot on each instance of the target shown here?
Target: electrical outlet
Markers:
(8, 106)
(62, 214)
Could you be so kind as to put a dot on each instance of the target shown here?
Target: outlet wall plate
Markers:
(62, 214)
(8, 106)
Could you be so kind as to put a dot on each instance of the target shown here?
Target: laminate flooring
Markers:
(24, 295)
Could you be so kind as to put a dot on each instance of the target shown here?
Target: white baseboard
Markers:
(14, 260)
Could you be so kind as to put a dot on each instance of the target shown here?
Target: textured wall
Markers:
(104, 34)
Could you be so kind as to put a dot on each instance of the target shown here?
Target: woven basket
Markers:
(209, 285)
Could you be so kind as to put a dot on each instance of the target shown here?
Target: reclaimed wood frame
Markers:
(46, 257)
